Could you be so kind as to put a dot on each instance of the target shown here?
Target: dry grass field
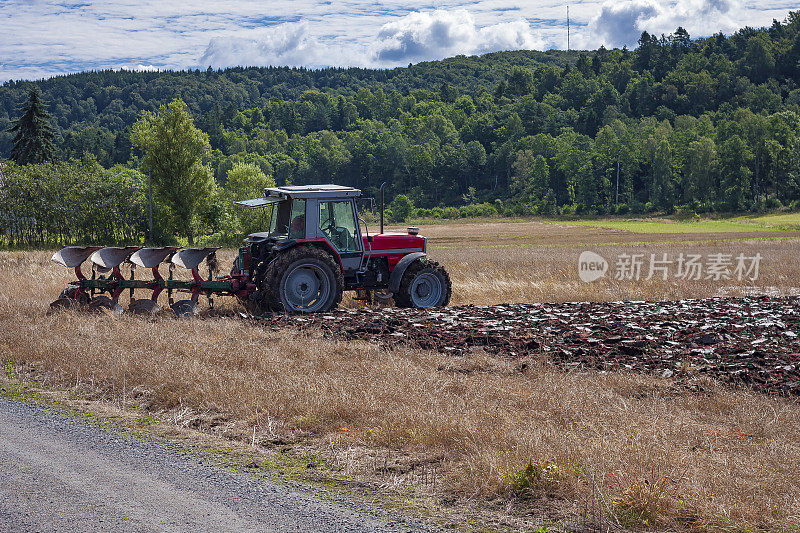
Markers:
(508, 447)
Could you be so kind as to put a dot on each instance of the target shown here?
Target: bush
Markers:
(478, 210)
(437, 212)
(622, 209)
(74, 202)
(401, 208)
(685, 212)
(451, 212)
(568, 210)
(772, 204)
(521, 209)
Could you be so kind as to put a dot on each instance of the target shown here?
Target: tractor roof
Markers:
(312, 191)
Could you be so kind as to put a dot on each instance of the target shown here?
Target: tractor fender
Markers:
(400, 269)
(320, 243)
(285, 245)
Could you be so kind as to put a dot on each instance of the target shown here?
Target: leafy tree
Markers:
(244, 181)
(663, 177)
(531, 177)
(701, 168)
(734, 158)
(174, 151)
(401, 207)
(33, 133)
(758, 62)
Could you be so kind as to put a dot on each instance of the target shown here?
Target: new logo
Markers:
(591, 266)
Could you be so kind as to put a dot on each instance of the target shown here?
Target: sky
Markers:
(42, 38)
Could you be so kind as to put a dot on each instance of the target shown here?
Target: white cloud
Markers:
(441, 33)
(284, 44)
(41, 38)
(622, 23)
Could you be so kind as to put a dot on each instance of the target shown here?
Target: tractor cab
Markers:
(311, 213)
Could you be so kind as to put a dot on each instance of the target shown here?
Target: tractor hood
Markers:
(395, 243)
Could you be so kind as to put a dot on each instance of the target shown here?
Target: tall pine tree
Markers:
(33, 133)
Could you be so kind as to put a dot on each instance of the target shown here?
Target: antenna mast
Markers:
(567, 28)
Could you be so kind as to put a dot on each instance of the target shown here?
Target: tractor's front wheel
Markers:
(304, 279)
(424, 284)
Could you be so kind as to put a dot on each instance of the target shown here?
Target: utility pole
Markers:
(568, 28)
(150, 204)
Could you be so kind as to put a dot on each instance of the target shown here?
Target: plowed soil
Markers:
(750, 341)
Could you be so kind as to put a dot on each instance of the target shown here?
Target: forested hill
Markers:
(113, 99)
(710, 123)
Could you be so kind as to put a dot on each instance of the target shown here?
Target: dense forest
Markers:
(698, 125)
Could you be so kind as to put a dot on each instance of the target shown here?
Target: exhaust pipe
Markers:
(383, 187)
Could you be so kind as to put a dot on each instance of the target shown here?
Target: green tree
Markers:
(531, 177)
(33, 133)
(401, 208)
(700, 170)
(174, 152)
(663, 177)
(246, 180)
(758, 62)
(735, 158)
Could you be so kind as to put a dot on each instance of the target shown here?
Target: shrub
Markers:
(451, 212)
(401, 208)
(772, 204)
(567, 209)
(478, 210)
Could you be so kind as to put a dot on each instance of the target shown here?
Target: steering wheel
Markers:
(329, 229)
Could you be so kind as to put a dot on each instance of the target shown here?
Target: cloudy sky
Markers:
(41, 38)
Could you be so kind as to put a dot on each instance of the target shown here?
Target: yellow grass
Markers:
(651, 454)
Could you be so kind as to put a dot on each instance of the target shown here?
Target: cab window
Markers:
(297, 220)
(338, 222)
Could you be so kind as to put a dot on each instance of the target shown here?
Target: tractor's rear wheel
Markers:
(304, 279)
(425, 283)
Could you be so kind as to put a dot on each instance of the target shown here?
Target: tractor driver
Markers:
(298, 227)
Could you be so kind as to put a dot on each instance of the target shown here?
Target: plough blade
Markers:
(73, 256)
(99, 303)
(184, 308)
(190, 258)
(152, 257)
(143, 306)
(113, 256)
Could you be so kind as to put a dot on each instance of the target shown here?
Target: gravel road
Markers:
(62, 474)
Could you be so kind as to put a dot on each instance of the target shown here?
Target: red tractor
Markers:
(313, 250)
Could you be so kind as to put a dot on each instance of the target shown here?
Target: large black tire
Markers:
(284, 279)
(420, 278)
